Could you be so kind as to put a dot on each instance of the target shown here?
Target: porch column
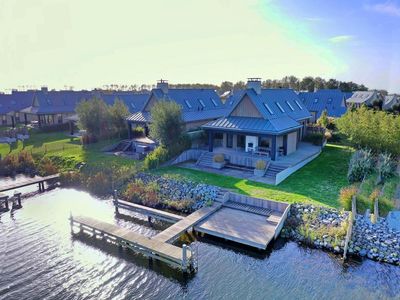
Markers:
(210, 141)
(71, 127)
(13, 121)
(273, 147)
(26, 119)
(39, 121)
(285, 138)
(129, 130)
(234, 141)
(224, 139)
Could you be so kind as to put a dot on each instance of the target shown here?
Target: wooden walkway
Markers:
(173, 232)
(175, 256)
(148, 211)
(29, 181)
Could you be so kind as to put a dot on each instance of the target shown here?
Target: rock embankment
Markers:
(375, 241)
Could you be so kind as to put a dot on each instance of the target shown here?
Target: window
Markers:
(213, 101)
(188, 104)
(290, 105)
(202, 103)
(316, 100)
(268, 108)
(280, 107)
(298, 104)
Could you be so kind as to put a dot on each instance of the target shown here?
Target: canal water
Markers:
(39, 259)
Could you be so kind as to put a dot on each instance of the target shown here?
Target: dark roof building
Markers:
(368, 98)
(198, 105)
(391, 101)
(270, 118)
(331, 100)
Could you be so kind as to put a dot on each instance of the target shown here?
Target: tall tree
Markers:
(118, 113)
(94, 117)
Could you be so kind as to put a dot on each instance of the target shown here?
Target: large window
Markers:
(241, 141)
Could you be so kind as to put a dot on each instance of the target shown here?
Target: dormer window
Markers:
(202, 103)
(213, 101)
(298, 104)
(280, 107)
(290, 105)
(188, 104)
(268, 108)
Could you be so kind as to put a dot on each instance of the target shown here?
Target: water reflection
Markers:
(40, 259)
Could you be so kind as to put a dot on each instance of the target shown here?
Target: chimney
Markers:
(163, 85)
(255, 84)
(44, 89)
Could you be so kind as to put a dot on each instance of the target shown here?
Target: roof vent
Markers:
(163, 85)
(255, 84)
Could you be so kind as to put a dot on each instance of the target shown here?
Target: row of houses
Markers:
(46, 108)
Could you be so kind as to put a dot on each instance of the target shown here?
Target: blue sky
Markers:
(90, 43)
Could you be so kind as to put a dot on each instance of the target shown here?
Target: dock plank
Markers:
(26, 182)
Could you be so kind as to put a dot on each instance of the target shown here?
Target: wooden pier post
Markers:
(115, 201)
(6, 203)
(184, 257)
(71, 222)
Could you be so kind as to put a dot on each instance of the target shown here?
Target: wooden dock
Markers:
(183, 258)
(29, 181)
(147, 211)
(173, 232)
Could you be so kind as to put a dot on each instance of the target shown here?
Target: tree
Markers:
(94, 117)
(118, 113)
(167, 124)
(323, 120)
(226, 86)
(307, 84)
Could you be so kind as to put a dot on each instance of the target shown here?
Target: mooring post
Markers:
(184, 257)
(6, 203)
(71, 222)
(115, 201)
(18, 196)
(149, 219)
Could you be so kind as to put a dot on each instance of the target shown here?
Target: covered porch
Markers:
(269, 146)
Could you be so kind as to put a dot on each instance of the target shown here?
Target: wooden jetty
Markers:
(15, 200)
(173, 232)
(183, 258)
(29, 181)
(147, 211)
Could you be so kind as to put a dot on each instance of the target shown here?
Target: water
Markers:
(40, 260)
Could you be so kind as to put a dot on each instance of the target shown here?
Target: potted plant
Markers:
(218, 161)
(259, 170)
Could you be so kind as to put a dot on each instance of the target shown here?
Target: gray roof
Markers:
(254, 125)
(364, 97)
(331, 100)
(390, 101)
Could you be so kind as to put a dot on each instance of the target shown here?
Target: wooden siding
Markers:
(246, 108)
(291, 142)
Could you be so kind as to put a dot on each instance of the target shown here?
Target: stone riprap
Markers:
(318, 227)
(375, 241)
(180, 189)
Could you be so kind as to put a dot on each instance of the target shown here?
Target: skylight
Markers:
(329, 100)
(298, 104)
(188, 104)
(213, 101)
(280, 107)
(202, 103)
(316, 100)
(268, 108)
(290, 105)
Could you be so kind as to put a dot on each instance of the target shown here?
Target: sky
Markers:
(91, 43)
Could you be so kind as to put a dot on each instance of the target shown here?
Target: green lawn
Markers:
(58, 144)
(319, 182)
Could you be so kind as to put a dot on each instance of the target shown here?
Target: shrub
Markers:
(138, 131)
(363, 203)
(71, 178)
(385, 205)
(26, 162)
(99, 184)
(361, 165)
(47, 167)
(386, 166)
(151, 196)
(261, 164)
(346, 195)
(9, 165)
(219, 158)
(316, 138)
(155, 158)
(328, 135)
(179, 205)
(135, 191)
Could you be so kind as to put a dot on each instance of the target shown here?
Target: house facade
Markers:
(331, 100)
(263, 121)
(199, 105)
(11, 105)
(368, 98)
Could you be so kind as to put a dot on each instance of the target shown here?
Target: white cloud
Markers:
(341, 39)
(387, 8)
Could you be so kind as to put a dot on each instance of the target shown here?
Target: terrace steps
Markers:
(206, 159)
(273, 169)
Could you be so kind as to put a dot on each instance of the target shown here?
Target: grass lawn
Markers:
(319, 182)
(58, 144)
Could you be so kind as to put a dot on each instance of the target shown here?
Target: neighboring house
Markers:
(368, 98)
(198, 106)
(134, 101)
(391, 102)
(54, 107)
(331, 100)
(10, 106)
(260, 120)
